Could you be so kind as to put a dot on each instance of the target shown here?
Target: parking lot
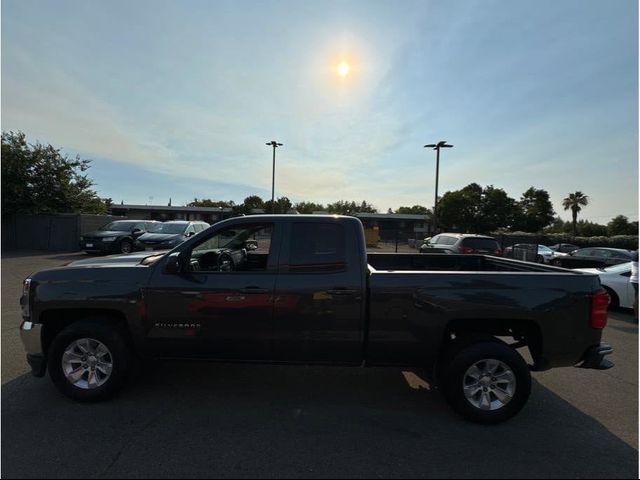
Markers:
(215, 420)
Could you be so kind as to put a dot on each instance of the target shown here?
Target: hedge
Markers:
(629, 242)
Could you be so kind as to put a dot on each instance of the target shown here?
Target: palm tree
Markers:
(575, 202)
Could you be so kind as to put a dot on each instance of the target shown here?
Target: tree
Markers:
(620, 226)
(37, 179)
(207, 202)
(415, 210)
(460, 209)
(345, 208)
(497, 210)
(308, 207)
(282, 205)
(535, 211)
(575, 202)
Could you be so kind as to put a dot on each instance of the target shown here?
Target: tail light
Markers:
(498, 251)
(599, 304)
(464, 249)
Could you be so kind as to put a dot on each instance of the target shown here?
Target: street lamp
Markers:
(437, 147)
(275, 145)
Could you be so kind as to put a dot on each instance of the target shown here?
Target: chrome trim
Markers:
(31, 336)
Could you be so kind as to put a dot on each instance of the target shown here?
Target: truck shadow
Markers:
(212, 420)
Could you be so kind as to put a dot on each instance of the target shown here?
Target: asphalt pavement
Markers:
(187, 419)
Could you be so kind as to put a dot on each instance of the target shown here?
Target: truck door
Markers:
(221, 305)
(320, 293)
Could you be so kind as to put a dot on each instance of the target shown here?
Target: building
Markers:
(210, 215)
(391, 224)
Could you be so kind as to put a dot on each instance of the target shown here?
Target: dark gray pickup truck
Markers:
(302, 289)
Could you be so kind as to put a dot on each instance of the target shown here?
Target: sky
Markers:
(176, 99)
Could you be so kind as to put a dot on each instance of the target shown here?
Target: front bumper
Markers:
(31, 336)
(594, 357)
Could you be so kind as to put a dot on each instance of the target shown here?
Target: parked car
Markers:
(543, 253)
(596, 257)
(615, 280)
(311, 294)
(461, 243)
(115, 237)
(564, 247)
(166, 235)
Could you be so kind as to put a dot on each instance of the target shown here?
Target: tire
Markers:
(126, 246)
(540, 259)
(67, 347)
(615, 301)
(513, 382)
(556, 263)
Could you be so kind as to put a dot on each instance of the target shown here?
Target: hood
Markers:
(131, 259)
(104, 233)
(160, 237)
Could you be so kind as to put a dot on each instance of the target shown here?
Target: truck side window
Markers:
(240, 248)
(317, 247)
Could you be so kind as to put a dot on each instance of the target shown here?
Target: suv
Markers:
(461, 243)
(115, 237)
(166, 235)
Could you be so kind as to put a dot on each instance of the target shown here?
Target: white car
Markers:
(615, 280)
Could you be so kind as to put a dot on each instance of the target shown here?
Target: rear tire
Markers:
(615, 301)
(482, 393)
(540, 259)
(100, 375)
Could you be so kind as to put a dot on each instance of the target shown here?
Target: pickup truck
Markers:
(302, 289)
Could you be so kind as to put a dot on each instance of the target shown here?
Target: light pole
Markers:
(437, 147)
(275, 145)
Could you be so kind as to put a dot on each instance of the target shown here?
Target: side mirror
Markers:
(190, 234)
(174, 263)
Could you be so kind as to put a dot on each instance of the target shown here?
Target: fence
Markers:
(48, 232)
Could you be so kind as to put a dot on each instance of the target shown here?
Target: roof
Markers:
(167, 208)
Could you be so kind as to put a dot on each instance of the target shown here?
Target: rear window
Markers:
(481, 243)
(317, 247)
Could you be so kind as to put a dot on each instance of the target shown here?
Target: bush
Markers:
(629, 242)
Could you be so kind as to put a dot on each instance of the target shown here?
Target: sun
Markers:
(343, 69)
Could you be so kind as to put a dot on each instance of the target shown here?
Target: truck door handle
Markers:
(254, 290)
(341, 291)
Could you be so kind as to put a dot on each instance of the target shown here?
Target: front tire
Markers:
(487, 382)
(126, 246)
(88, 361)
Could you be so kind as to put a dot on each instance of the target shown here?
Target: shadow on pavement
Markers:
(185, 419)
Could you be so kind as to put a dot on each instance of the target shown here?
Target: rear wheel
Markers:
(89, 361)
(615, 301)
(487, 382)
(540, 259)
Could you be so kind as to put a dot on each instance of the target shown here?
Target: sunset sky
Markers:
(177, 98)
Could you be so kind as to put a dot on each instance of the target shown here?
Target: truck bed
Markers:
(416, 300)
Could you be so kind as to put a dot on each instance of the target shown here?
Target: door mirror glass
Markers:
(173, 264)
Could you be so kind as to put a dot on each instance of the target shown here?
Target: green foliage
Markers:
(39, 179)
(535, 211)
(475, 209)
(415, 210)
(629, 242)
(620, 225)
(575, 202)
(343, 207)
(282, 205)
(207, 202)
(308, 207)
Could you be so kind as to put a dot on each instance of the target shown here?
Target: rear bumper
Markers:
(594, 357)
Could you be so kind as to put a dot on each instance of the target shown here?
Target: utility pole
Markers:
(275, 145)
(437, 147)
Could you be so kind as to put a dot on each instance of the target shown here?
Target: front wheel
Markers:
(126, 246)
(487, 382)
(89, 360)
